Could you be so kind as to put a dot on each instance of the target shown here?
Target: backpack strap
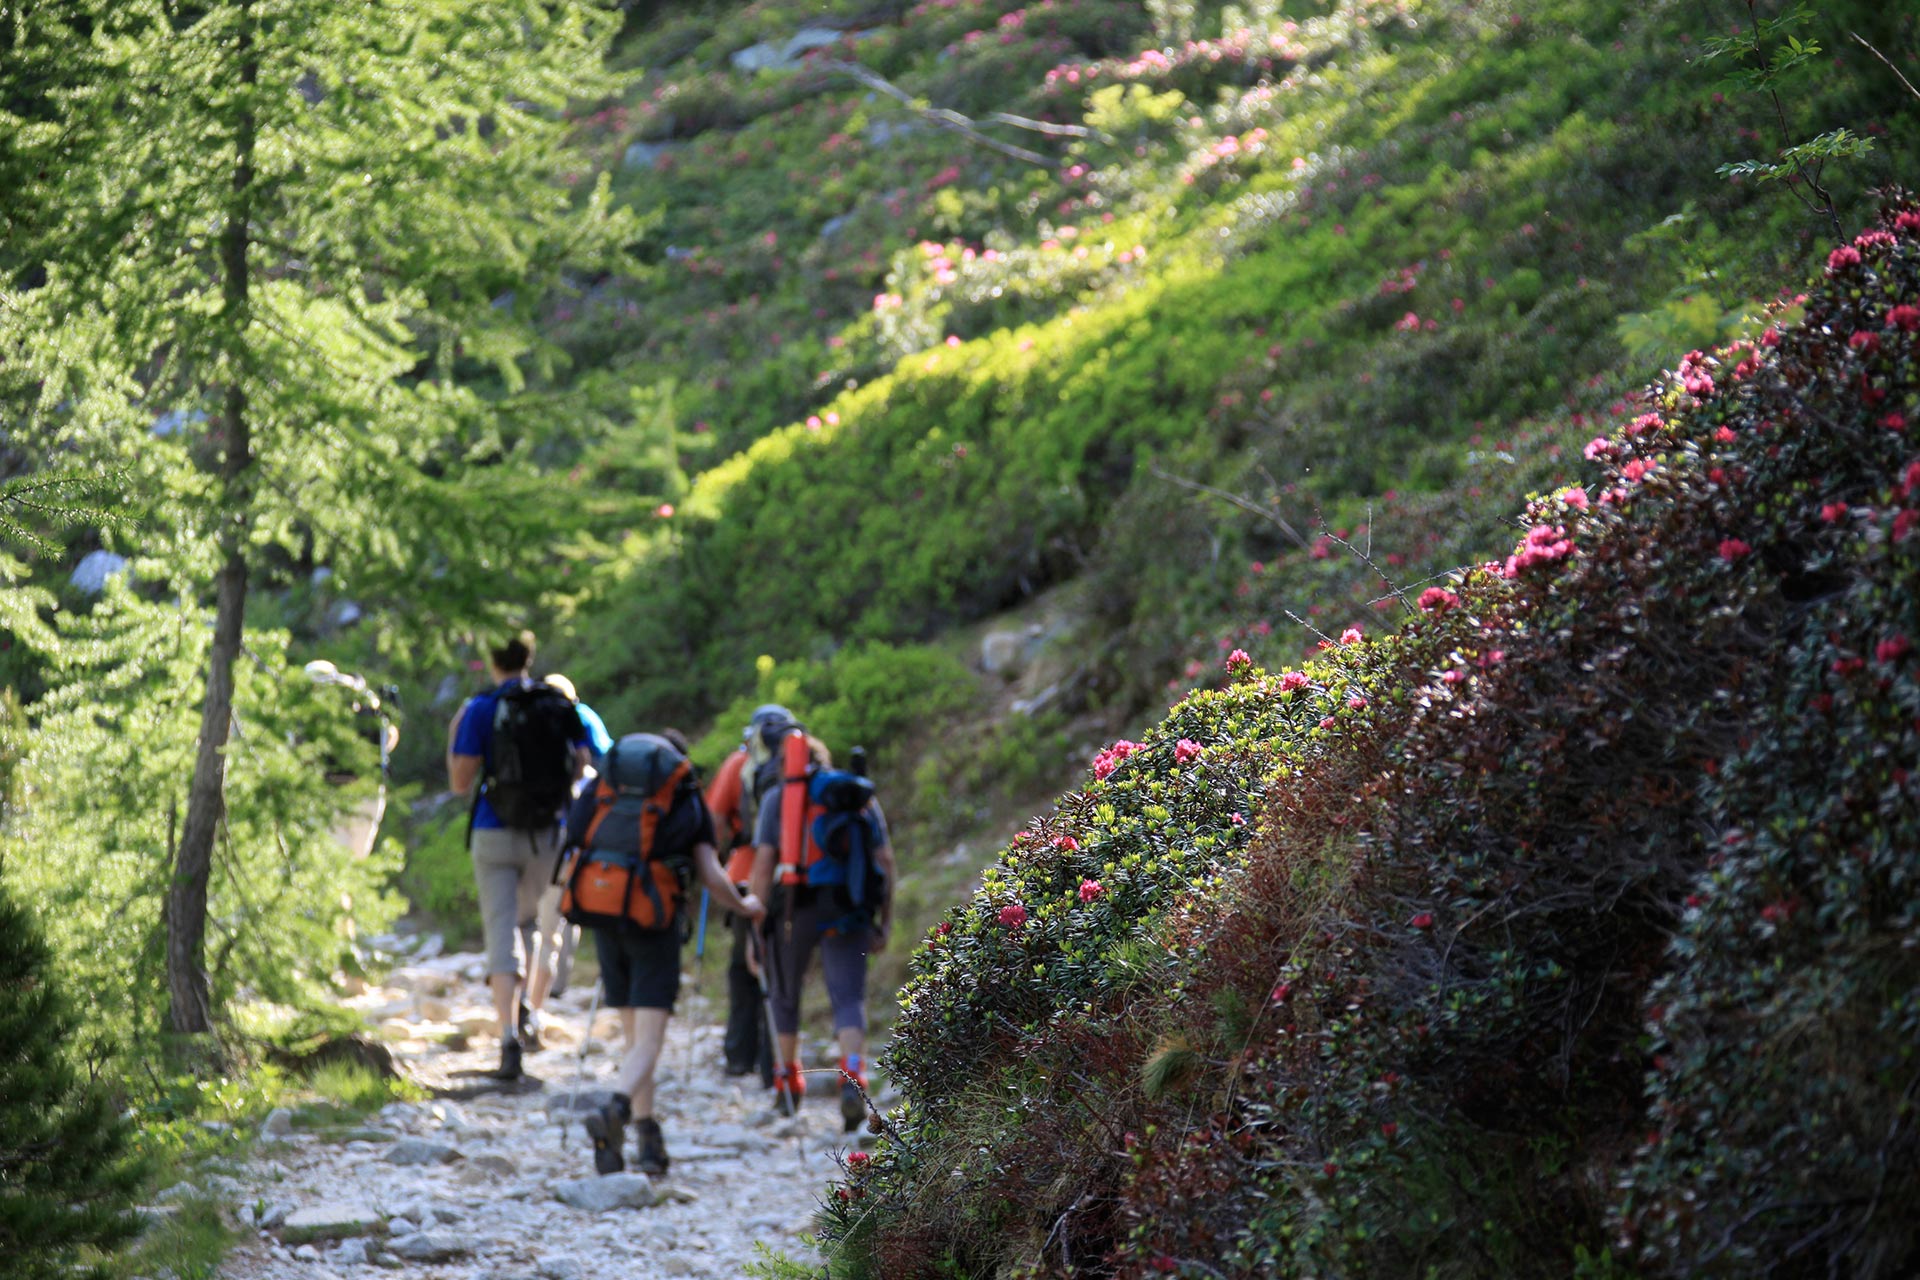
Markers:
(658, 805)
(603, 796)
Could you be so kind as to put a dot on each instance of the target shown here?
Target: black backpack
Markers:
(530, 777)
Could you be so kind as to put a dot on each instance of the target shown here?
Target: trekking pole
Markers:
(580, 1074)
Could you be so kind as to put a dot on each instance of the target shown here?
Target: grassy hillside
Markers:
(1568, 928)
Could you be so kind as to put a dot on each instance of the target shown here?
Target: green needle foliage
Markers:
(279, 261)
(65, 1176)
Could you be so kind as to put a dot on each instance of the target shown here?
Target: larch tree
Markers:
(279, 261)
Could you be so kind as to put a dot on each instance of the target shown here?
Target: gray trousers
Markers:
(511, 869)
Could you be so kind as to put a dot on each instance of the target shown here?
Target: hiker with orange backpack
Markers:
(518, 747)
(822, 848)
(636, 837)
(734, 797)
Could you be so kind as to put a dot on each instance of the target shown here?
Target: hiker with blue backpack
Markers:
(739, 786)
(635, 839)
(518, 747)
(821, 852)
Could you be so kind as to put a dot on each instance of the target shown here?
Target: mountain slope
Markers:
(1569, 929)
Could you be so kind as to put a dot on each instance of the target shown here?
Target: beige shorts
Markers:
(511, 870)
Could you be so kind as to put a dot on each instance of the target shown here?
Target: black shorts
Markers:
(639, 968)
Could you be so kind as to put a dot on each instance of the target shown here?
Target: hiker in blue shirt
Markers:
(523, 743)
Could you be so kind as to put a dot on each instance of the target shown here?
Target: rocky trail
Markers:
(491, 1182)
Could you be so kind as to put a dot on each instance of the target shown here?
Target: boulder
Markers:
(416, 1151)
(275, 1214)
(1003, 652)
(609, 1191)
(329, 1222)
(431, 1246)
(352, 1253)
(561, 1266)
(278, 1124)
(499, 1166)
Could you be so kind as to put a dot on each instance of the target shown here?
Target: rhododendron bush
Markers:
(1574, 932)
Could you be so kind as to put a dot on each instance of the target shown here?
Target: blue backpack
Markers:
(842, 832)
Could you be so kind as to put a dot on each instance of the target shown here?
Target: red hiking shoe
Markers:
(789, 1087)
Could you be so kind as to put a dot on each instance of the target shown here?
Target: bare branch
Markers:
(953, 121)
(1245, 504)
(1865, 44)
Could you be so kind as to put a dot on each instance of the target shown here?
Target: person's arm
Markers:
(462, 768)
(714, 877)
(760, 885)
(884, 857)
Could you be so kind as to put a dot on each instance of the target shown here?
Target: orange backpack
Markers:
(616, 874)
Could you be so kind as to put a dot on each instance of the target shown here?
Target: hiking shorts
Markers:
(843, 962)
(639, 968)
(511, 869)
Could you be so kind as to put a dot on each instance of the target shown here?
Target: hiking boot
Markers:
(853, 1094)
(653, 1159)
(789, 1087)
(528, 1030)
(606, 1125)
(509, 1060)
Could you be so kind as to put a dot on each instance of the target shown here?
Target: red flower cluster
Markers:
(1292, 680)
(1184, 752)
(1544, 544)
(1732, 549)
(1694, 376)
(1013, 916)
(1091, 889)
(1905, 318)
(1239, 660)
(1842, 258)
(1437, 600)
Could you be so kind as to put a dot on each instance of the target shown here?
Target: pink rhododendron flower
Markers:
(1013, 916)
(1356, 702)
(1091, 889)
(1185, 751)
(1455, 676)
(1638, 469)
(1437, 600)
(1389, 1128)
(1281, 992)
(1694, 376)
(1724, 435)
(1864, 342)
(664, 511)
(1109, 760)
(1894, 421)
(1066, 844)
(1597, 448)
(1842, 258)
(1544, 544)
(1352, 635)
(1292, 680)
(1905, 318)
(1645, 422)
(1732, 549)
(1239, 660)
(1903, 523)
(1328, 722)
(1834, 512)
(1238, 819)
(1575, 497)
(1892, 649)
(1907, 220)
(1422, 921)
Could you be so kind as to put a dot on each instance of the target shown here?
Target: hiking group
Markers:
(570, 828)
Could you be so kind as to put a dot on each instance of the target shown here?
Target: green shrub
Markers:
(1572, 937)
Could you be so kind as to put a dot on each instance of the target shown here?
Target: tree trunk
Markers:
(190, 1011)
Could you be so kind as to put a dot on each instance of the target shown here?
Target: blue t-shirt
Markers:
(474, 737)
(599, 741)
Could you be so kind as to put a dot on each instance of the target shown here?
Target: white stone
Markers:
(608, 1191)
(278, 1124)
(430, 1246)
(411, 1151)
(307, 1253)
(351, 1253)
(329, 1222)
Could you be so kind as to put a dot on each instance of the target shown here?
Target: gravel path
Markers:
(487, 1186)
